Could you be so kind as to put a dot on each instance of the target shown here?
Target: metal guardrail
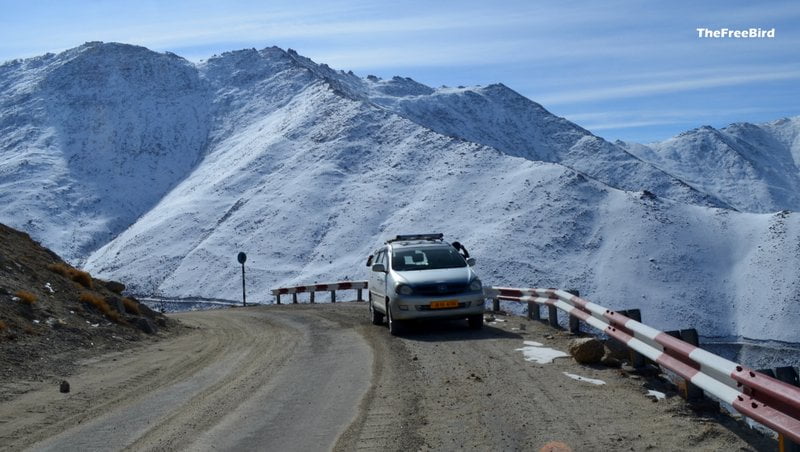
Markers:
(312, 289)
(766, 400)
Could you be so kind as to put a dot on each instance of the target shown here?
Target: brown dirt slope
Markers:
(52, 315)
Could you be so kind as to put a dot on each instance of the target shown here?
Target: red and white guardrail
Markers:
(327, 287)
(764, 399)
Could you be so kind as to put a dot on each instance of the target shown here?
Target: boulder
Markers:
(115, 286)
(146, 325)
(587, 350)
(64, 387)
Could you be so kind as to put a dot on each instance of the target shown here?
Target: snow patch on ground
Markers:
(657, 394)
(535, 351)
(585, 379)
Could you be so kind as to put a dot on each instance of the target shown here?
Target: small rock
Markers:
(64, 388)
(610, 361)
(161, 321)
(587, 350)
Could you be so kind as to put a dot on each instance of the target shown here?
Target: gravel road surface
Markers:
(320, 377)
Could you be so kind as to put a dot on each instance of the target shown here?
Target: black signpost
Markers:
(242, 258)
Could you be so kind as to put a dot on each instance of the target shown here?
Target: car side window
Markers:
(379, 257)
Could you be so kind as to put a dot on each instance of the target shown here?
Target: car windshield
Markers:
(410, 259)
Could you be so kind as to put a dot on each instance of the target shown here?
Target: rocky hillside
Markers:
(52, 314)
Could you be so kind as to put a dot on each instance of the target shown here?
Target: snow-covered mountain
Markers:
(751, 167)
(307, 169)
(92, 138)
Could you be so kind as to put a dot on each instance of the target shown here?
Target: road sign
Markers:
(242, 258)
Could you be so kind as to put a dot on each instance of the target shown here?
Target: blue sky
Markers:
(632, 70)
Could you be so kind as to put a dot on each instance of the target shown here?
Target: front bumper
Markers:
(407, 307)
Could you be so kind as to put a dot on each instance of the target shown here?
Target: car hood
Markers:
(460, 275)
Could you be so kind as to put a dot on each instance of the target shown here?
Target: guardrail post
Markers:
(495, 304)
(552, 316)
(333, 296)
(311, 296)
(686, 389)
(787, 375)
(279, 298)
(294, 298)
(690, 335)
(533, 311)
(360, 297)
(637, 359)
(574, 322)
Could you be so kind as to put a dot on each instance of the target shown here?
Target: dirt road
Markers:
(317, 377)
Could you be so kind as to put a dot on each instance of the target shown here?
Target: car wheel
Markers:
(475, 321)
(375, 316)
(394, 325)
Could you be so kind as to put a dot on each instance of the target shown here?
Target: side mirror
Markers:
(369, 260)
(471, 261)
(379, 268)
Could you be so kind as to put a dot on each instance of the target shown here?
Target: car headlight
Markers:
(475, 285)
(404, 289)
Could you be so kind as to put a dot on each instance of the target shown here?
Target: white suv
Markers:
(422, 276)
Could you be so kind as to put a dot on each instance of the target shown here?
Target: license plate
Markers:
(444, 304)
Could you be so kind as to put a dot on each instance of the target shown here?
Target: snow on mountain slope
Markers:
(91, 138)
(501, 118)
(754, 168)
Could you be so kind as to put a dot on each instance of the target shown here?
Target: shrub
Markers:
(131, 306)
(100, 304)
(59, 268)
(26, 296)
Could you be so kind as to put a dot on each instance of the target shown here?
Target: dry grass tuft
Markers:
(2, 325)
(60, 268)
(131, 306)
(101, 305)
(79, 276)
(28, 330)
(26, 296)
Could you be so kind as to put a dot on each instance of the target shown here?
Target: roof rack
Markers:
(408, 238)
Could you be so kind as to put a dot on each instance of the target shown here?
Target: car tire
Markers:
(394, 325)
(375, 316)
(475, 321)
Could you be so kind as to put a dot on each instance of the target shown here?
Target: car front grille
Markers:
(441, 289)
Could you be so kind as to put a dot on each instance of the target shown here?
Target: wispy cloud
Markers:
(649, 89)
